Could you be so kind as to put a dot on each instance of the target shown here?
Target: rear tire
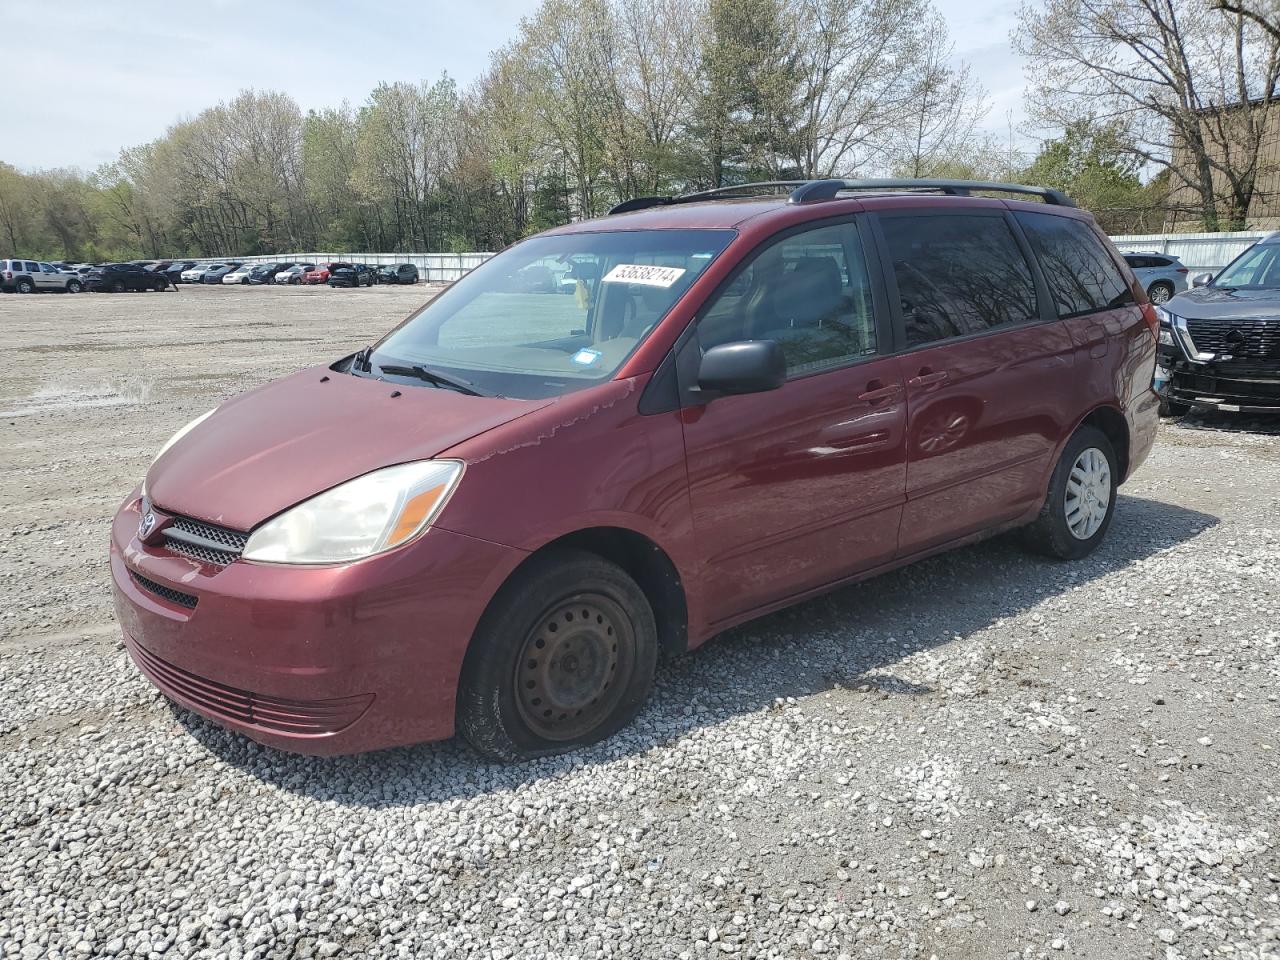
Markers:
(1075, 518)
(25, 286)
(1160, 292)
(117, 287)
(564, 657)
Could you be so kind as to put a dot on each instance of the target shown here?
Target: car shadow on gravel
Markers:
(848, 639)
(1222, 421)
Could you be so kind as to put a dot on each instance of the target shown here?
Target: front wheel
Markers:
(73, 286)
(1081, 500)
(117, 287)
(564, 657)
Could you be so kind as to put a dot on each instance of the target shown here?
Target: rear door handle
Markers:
(878, 392)
(927, 378)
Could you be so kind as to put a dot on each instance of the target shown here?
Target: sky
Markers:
(123, 72)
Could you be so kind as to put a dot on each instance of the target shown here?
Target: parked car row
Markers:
(34, 276)
(336, 274)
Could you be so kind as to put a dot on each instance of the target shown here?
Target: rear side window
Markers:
(1081, 274)
(958, 275)
(31, 267)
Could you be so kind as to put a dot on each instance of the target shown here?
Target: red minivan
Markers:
(498, 517)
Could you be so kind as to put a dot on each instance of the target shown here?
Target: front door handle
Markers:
(928, 378)
(878, 392)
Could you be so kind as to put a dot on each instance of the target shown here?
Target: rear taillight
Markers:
(1182, 270)
(1153, 321)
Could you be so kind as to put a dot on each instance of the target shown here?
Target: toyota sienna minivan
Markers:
(497, 518)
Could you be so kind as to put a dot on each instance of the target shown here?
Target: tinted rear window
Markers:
(958, 275)
(1081, 274)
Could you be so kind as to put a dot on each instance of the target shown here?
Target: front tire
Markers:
(564, 657)
(117, 287)
(1081, 500)
(73, 286)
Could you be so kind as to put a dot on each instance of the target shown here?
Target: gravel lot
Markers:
(986, 755)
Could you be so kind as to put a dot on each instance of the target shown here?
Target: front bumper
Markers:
(1251, 386)
(318, 660)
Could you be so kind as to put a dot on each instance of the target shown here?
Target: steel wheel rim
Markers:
(574, 666)
(1088, 495)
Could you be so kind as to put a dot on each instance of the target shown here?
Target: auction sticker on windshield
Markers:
(644, 274)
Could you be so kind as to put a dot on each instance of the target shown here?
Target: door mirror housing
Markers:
(1201, 279)
(745, 366)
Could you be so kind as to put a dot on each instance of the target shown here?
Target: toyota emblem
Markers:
(146, 525)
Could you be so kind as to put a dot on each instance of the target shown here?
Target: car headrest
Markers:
(810, 292)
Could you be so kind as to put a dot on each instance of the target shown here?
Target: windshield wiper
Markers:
(430, 376)
(361, 360)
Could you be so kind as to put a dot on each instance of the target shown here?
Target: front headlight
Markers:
(359, 518)
(1166, 326)
(174, 439)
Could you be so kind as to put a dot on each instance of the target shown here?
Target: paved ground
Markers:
(986, 755)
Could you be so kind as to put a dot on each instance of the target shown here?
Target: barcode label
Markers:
(644, 274)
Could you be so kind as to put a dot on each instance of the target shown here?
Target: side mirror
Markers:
(1201, 279)
(747, 366)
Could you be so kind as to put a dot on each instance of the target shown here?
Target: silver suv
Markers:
(33, 276)
(1161, 274)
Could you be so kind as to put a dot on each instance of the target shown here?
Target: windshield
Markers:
(1258, 268)
(553, 314)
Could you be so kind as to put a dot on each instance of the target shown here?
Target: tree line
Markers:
(596, 101)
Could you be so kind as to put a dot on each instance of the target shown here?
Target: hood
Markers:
(269, 449)
(1213, 303)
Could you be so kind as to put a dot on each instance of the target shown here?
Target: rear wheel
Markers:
(25, 286)
(564, 657)
(1160, 292)
(1081, 500)
(117, 286)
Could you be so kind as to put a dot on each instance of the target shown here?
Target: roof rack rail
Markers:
(816, 190)
(718, 193)
(811, 191)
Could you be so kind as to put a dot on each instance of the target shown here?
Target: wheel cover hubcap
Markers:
(1088, 495)
(574, 666)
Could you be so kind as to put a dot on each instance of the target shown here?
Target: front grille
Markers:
(229, 703)
(165, 593)
(206, 542)
(1253, 339)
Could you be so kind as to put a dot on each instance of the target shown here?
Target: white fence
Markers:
(1199, 252)
(432, 267)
